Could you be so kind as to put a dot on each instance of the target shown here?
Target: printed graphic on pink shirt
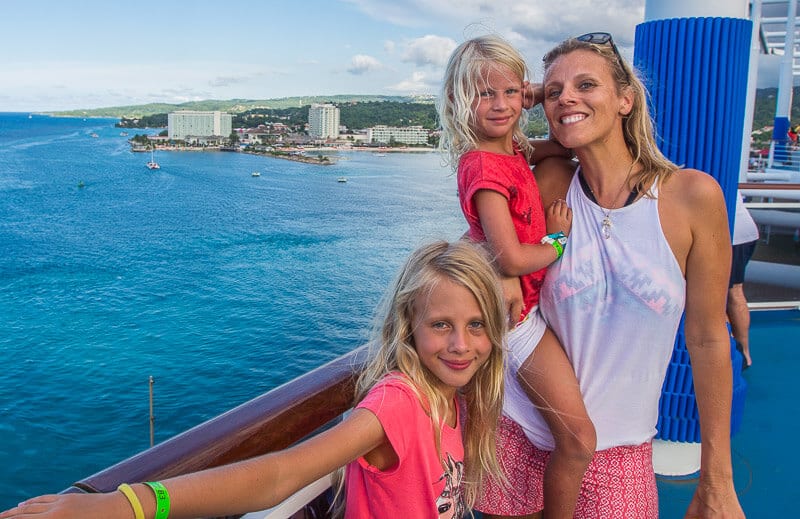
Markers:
(450, 503)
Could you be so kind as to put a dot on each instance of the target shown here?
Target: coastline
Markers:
(298, 153)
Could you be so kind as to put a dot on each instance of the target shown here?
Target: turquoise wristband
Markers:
(162, 499)
(558, 240)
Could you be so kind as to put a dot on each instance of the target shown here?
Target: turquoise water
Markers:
(218, 284)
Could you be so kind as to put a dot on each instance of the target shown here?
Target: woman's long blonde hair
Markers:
(392, 350)
(637, 126)
(464, 79)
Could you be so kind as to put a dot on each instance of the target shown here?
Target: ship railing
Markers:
(270, 422)
(772, 278)
(781, 164)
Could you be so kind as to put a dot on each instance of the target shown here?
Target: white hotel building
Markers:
(323, 121)
(406, 134)
(186, 123)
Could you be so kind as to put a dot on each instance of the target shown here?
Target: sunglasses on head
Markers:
(604, 38)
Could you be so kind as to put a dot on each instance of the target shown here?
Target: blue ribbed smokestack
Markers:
(696, 70)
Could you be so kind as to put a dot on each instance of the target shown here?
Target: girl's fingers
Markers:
(33, 506)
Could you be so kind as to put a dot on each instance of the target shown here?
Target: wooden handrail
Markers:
(270, 422)
(769, 185)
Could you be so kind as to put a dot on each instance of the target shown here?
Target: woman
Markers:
(648, 240)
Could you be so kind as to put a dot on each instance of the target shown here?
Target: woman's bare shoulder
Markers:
(692, 186)
(694, 197)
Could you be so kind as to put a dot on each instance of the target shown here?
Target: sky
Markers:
(62, 55)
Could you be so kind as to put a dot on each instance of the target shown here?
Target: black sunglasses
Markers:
(604, 38)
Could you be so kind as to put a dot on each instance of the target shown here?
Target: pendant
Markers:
(606, 227)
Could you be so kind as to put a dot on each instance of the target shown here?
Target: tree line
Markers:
(353, 115)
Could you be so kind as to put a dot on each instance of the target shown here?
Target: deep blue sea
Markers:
(218, 284)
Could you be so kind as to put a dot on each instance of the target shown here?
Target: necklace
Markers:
(605, 224)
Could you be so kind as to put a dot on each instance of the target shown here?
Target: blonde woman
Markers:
(649, 240)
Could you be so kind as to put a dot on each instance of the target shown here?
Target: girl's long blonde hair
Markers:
(393, 351)
(637, 126)
(464, 79)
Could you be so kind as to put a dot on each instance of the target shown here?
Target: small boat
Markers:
(152, 164)
(255, 174)
(94, 135)
(123, 134)
(81, 185)
(341, 179)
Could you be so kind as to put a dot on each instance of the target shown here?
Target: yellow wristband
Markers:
(133, 499)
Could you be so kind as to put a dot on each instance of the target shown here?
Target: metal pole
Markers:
(752, 84)
(152, 416)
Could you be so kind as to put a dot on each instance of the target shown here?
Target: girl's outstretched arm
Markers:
(249, 485)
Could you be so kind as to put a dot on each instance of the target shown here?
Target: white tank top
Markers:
(615, 303)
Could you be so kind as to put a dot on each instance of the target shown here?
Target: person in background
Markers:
(408, 450)
(480, 109)
(745, 237)
(648, 241)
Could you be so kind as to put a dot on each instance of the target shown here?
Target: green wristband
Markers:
(559, 249)
(558, 240)
(162, 499)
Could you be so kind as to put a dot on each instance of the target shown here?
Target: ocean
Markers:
(218, 284)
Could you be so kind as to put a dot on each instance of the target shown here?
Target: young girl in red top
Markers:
(435, 377)
(482, 114)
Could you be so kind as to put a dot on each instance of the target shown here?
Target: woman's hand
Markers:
(512, 296)
(714, 501)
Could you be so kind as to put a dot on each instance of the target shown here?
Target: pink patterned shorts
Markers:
(619, 483)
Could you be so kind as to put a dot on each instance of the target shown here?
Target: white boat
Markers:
(341, 179)
(255, 174)
(152, 164)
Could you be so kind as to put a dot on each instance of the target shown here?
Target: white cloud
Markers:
(361, 63)
(418, 83)
(429, 50)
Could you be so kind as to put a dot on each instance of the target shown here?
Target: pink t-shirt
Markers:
(418, 486)
(511, 176)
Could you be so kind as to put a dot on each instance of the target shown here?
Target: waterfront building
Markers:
(188, 123)
(323, 121)
(382, 134)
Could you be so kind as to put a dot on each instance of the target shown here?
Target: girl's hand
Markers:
(559, 217)
(69, 506)
(532, 94)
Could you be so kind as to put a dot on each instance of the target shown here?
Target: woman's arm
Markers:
(546, 148)
(249, 485)
(707, 339)
(553, 176)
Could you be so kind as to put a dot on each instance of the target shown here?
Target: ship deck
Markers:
(764, 471)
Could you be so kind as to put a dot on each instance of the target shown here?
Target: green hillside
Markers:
(360, 111)
(235, 106)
